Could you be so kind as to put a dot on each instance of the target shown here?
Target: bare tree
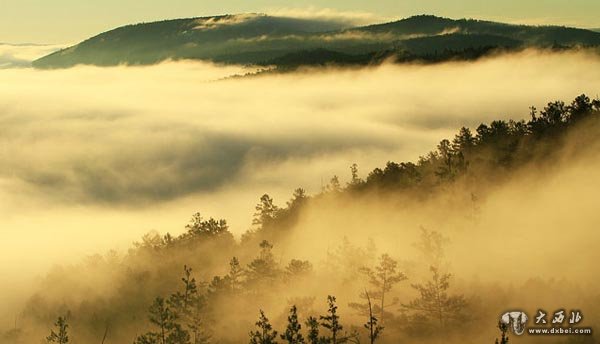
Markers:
(372, 325)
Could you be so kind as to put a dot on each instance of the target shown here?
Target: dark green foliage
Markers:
(265, 333)
(181, 301)
(189, 307)
(236, 275)
(60, 336)
(266, 211)
(211, 227)
(434, 303)
(263, 270)
(232, 283)
(297, 269)
(168, 330)
(289, 43)
(292, 333)
(299, 198)
(498, 147)
(313, 330)
(331, 321)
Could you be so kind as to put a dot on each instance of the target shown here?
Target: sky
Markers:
(70, 21)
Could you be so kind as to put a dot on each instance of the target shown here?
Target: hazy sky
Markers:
(68, 21)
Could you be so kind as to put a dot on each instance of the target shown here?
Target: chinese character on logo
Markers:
(575, 317)
(541, 317)
(559, 317)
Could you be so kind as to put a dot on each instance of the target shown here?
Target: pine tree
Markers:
(334, 185)
(355, 179)
(382, 279)
(266, 211)
(265, 333)
(313, 330)
(297, 268)
(292, 333)
(236, 273)
(211, 227)
(189, 307)
(181, 301)
(168, 330)
(299, 197)
(331, 321)
(263, 270)
(434, 302)
(60, 337)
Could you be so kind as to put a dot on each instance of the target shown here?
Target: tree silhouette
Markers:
(372, 324)
(211, 227)
(180, 302)
(169, 331)
(266, 211)
(292, 333)
(236, 275)
(382, 279)
(265, 333)
(355, 179)
(297, 268)
(503, 331)
(189, 307)
(263, 270)
(331, 321)
(313, 330)
(299, 197)
(60, 336)
(434, 302)
(334, 184)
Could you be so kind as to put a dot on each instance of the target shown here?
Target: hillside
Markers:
(263, 39)
(232, 280)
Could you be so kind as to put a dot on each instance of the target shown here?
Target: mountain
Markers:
(263, 39)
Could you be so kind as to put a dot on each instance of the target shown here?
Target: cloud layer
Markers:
(101, 155)
(21, 55)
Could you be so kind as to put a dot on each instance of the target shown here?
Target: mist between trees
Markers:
(425, 251)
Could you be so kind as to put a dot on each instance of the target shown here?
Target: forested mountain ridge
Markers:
(152, 294)
(268, 40)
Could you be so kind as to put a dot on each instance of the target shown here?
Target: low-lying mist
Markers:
(92, 158)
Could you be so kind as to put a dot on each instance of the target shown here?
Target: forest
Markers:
(275, 284)
(286, 42)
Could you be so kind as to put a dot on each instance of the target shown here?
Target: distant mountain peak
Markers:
(257, 38)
